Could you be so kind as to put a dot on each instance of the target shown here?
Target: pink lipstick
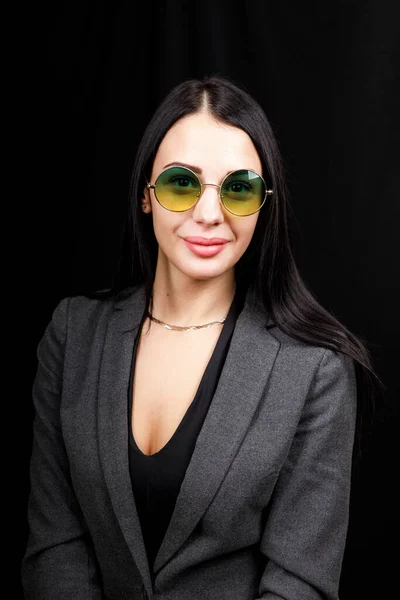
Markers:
(205, 246)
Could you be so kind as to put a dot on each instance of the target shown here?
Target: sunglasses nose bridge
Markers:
(202, 185)
(213, 184)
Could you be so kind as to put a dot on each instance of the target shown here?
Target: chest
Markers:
(168, 369)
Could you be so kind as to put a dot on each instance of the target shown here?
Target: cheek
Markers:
(165, 225)
(244, 230)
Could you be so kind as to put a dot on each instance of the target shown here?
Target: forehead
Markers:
(213, 146)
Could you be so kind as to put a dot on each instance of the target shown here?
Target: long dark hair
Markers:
(268, 266)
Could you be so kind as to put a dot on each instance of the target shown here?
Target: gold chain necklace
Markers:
(179, 328)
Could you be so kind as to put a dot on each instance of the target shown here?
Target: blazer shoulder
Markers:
(299, 356)
(294, 353)
(292, 344)
(101, 304)
(87, 310)
(90, 312)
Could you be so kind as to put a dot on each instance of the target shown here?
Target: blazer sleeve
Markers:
(59, 560)
(305, 533)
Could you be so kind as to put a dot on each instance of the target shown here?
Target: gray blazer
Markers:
(263, 509)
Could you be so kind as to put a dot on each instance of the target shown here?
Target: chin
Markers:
(207, 271)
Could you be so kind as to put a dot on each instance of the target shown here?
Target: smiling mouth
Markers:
(205, 250)
(206, 241)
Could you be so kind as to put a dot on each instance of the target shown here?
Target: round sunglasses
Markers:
(242, 192)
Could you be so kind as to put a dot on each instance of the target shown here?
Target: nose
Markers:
(208, 208)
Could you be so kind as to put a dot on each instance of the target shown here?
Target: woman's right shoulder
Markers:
(84, 311)
(78, 326)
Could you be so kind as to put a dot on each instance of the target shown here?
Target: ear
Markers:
(145, 200)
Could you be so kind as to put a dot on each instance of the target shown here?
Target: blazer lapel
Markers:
(240, 388)
(113, 423)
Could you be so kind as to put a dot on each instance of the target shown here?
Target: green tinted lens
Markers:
(243, 192)
(177, 189)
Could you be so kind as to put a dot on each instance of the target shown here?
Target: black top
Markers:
(156, 479)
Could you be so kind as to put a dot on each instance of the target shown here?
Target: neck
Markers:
(185, 301)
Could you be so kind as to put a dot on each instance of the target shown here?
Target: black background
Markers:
(327, 76)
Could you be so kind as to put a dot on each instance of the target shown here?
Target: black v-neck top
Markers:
(156, 479)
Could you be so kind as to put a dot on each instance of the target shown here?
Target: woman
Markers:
(194, 427)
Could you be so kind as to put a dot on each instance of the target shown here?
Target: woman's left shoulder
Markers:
(300, 358)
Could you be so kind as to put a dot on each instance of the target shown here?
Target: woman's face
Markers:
(201, 143)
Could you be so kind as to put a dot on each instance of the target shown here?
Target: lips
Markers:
(207, 247)
(206, 241)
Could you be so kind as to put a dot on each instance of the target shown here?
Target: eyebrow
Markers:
(193, 168)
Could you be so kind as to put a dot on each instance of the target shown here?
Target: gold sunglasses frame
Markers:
(268, 192)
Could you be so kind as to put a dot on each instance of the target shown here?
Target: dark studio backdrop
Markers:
(327, 76)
